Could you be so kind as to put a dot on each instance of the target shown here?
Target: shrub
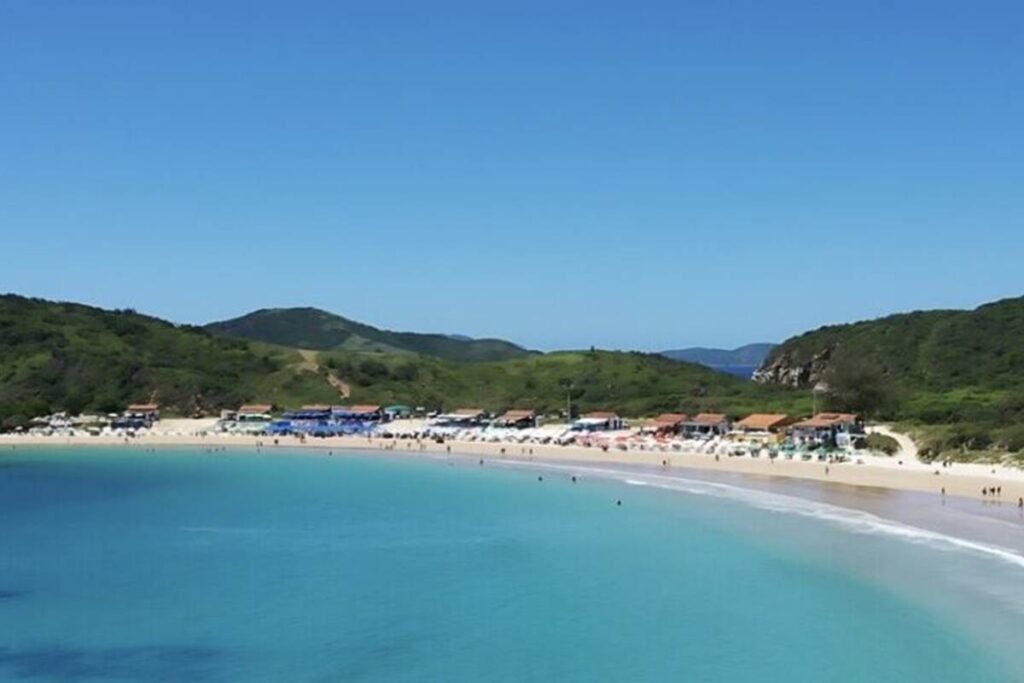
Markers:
(882, 443)
(970, 437)
(407, 372)
(1011, 438)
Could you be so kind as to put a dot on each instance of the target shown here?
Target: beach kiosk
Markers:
(706, 425)
(358, 413)
(840, 430)
(138, 416)
(462, 418)
(600, 421)
(254, 412)
(667, 424)
(517, 419)
(252, 418)
(763, 427)
(398, 411)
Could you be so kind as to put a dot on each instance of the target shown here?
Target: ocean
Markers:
(741, 371)
(118, 564)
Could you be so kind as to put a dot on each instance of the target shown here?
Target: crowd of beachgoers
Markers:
(623, 440)
(644, 445)
(606, 434)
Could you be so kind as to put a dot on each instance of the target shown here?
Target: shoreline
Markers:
(961, 480)
(891, 496)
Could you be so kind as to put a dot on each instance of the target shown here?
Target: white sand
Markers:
(876, 471)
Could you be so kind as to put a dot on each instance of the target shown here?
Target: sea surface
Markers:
(123, 565)
(741, 371)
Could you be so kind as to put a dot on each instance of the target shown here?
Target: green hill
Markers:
(73, 357)
(933, 367)
(63, 356)
(312, 328)
(632, 383)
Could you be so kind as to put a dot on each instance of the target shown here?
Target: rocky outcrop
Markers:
(788, 367)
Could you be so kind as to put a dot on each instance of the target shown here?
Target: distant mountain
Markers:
(312, 328)
(741, 362)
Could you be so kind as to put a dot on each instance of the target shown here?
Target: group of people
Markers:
(996, 491)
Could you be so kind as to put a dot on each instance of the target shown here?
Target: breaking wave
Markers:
(857, 521)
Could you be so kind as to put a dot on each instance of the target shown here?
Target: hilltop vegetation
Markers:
(962, 369)
(312, 328)
(78, 358)
(955, 377)
(632, 383)
(63, 356)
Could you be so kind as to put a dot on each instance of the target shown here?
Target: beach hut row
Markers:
(830, 429)
(834, 429)
(822, 429)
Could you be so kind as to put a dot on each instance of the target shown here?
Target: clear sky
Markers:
(629, 175)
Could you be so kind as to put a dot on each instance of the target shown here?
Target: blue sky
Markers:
(629, 175)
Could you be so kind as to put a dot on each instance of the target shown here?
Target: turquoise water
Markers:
(181, 565)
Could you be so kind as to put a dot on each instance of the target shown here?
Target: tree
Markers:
(858, 386)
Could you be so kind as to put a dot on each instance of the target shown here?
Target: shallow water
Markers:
(120, 565)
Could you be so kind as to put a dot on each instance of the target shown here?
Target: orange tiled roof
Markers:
(709, 418)
(516, 415)
(822, 420)
(763, 421)
(256, 408)
(468, 412)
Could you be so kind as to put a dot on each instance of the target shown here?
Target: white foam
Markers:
(857, 521)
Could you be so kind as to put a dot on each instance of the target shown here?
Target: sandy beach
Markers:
(901, 472)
